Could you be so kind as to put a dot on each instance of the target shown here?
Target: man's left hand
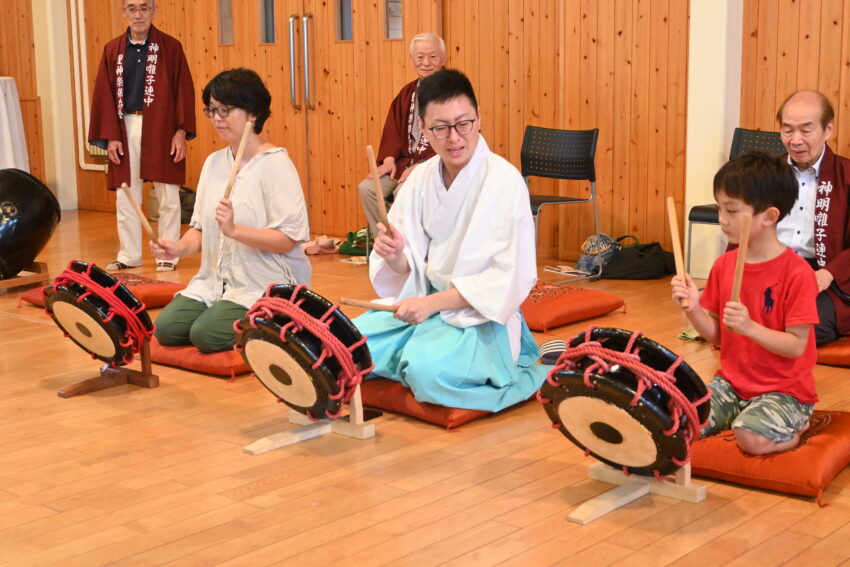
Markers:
(414, 310)
(178, 146)
(824, 279)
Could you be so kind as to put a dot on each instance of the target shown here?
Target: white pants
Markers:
(129, 223)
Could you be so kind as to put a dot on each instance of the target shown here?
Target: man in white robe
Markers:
(458, 261)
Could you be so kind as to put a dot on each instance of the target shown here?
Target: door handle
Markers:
(306, 54)
(293, 96)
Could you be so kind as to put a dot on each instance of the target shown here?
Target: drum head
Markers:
(601, 418)
(83, 322)
(83, 319)
(603, 421)
(285, 367)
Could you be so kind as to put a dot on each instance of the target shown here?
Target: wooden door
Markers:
(286, 71)
(351, 79)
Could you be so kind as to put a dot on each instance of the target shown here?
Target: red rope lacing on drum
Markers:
(135, 332)
(647, 377)
(349, 376)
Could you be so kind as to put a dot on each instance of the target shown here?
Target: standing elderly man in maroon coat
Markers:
(403, 144)
(143, 112)
(818, 227)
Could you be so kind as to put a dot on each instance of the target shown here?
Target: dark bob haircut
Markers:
(759, 180)
(443, 86)
(242, 88)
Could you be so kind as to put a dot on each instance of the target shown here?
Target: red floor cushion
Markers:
(390, 395)
(224, 363)
(153, 293)
(552, 305)
(835, 353)
(824, 450)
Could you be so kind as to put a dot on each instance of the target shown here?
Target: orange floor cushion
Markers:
(390, 395)
(835, 353)
(552, 305)
(824, 450)
(225, 363)
(153, 293)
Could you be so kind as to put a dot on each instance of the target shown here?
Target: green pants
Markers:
(774, 416)
(187, 321)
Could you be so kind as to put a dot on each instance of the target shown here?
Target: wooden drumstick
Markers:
(677, 246)
(249, 126)
(368, 304)
(142, 216)
(742, 258)
(379, 194)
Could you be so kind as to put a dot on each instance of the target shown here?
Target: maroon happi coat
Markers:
(168, 105)
(832, 230)
(396, 140)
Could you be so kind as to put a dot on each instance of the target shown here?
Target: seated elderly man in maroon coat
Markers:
(818, 228)
(403, 144)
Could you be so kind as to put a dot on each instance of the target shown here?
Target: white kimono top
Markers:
(477, 236)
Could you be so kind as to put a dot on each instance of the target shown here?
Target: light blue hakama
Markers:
(469, 367)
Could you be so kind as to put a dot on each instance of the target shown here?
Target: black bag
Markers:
(187, 204)
(639, 262)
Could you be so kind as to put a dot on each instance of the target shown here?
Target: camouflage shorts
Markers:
(775, 416)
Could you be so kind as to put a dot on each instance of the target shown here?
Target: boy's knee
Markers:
(755, 444)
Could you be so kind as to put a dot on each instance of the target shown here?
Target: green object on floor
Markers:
(355, 245)
(691, 334)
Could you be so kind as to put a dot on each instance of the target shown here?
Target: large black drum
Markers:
(99, 313)
(303, 349)
(28, 214)
(627, 401)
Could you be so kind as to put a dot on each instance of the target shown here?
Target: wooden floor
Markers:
(131, 476)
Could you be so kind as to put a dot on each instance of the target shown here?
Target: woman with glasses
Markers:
(246, 242)
(457, 261)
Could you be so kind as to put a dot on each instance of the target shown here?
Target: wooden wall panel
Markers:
(788, 46)
(620, 66)
(102, 22)
(31, 111)
(17, 60)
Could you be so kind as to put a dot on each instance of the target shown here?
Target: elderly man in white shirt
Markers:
(818, 227)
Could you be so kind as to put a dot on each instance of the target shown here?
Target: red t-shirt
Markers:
(778, 293)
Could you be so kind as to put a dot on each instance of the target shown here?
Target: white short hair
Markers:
(432, 37)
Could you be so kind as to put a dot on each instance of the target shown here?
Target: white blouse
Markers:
(266, 194)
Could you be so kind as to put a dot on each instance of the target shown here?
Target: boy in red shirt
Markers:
(764, 390)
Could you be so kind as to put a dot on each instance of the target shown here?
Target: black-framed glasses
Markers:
(222, 111)
(463, 128)
(144, 10)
